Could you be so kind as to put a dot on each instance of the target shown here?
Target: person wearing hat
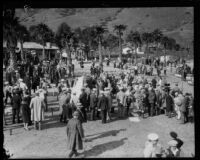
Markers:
(83, 101)
(103, 106)
(25, 109)
(152, 101)
(169, 104)
(93, 103)
(78, 109)
(37, 110)
(184, 108)
(22, 85)
(7, 92)
(107, 94)
(75, 135)
(175, 137)
(121, 102)
(61, 85)
(16, 103)
(153, 148)
(172, 151)
(177, 103)
(154, 82)
(158, 101)
(65, 97)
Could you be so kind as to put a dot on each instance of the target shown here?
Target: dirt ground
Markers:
(118, 138)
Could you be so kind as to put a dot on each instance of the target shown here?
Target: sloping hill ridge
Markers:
(176, 22)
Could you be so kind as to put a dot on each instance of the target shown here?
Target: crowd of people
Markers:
(135, 93)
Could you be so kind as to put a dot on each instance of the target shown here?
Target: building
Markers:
(36, 48)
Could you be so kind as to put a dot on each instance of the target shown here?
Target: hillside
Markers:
(176, 22)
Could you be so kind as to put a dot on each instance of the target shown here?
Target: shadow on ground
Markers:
(105, 134)
(99, 149)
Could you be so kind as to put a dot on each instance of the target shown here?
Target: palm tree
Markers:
(165, 42)
(147, 39)
(119, 30)
(41, 33)
(110, 42)
(65, 40)
(99, 31)
(10, 23)
(22, 35)
(134, 39)
(157, 36)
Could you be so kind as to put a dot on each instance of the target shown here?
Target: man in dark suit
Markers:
(184, 108)
(169, 103)
(152, 101)
(75, 135)
(83, 101)
(93, 103)
(16, 102)
(103, 105)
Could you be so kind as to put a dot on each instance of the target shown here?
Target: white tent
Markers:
(126, 50)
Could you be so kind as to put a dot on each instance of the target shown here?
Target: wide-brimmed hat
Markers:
(173, 143)
(76, 113)
(173, 134)
(94, 89)
(62, 80)
(152, 136)
(21, 80)
(6, 83)
(78, 104)
(107, 89)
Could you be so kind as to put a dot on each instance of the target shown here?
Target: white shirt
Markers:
(23, 86)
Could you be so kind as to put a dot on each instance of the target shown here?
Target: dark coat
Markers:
(16, 101)
(185, 104)
(103, 103)
(93, 101)
(152, 97)
(83, 99)
(169, 103)
(74, 134)
(154, 83)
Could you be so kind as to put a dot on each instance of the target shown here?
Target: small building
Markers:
(33, 47)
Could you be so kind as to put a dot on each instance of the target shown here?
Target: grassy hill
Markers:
(176, 22)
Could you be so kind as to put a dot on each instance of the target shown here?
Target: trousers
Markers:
(15, 111)
(103, 115)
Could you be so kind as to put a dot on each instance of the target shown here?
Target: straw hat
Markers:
(62, 80)
(75, 113)
(173, 143)
(153, 136)
(6, 83)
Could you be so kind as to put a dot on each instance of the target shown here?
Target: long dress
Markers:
(25, 109)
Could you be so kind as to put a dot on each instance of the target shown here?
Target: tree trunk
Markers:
(69, 61)
(89, 49)
(12, 65)
(146, 50)
(120, 48)
(109, 53)
(100, 54)
(165, 57)
(136, 55)
(22, 52)
(43, 52)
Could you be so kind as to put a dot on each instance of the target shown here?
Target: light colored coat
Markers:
(37, 109)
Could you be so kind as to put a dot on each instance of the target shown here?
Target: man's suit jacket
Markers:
(103, 103)
(93, 100)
